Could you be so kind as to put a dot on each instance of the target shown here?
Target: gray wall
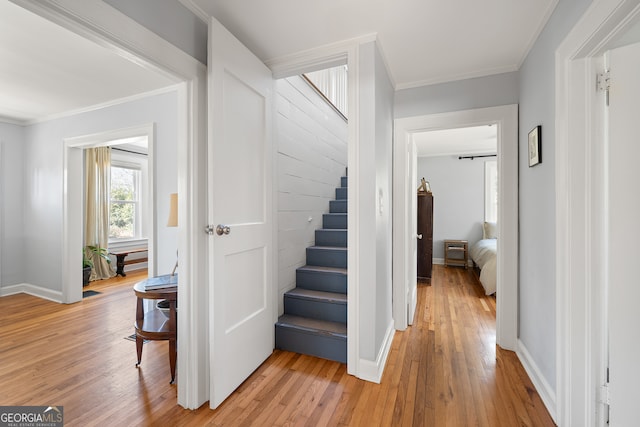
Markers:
(170, 20)
(384, 175)
(311, 140)
(537, 290)
(458, 198)
(490, 91)
(12, 256)
(533, 88)
(374, 241)
(43, 179)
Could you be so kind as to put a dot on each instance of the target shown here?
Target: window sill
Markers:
(128, 243)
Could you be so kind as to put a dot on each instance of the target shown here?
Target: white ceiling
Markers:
(46, 70)
(424, 41)
(476, 140)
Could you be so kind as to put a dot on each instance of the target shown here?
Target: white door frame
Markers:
(104, 25)
(317, 59)
(72, 205)
(404, 266)
(580, 185)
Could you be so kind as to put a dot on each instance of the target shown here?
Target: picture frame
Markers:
(535, 146)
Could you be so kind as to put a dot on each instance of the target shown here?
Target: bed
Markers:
(483, 253)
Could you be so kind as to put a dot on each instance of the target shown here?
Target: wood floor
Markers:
(443, 371)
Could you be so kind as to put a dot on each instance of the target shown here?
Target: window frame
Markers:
(137, 202)
(491, 179)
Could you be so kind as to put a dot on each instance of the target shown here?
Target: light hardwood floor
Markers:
(443, 371)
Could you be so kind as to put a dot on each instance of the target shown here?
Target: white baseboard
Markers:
(547, 394)
(36, 291)
(369, 370)
(440, 261)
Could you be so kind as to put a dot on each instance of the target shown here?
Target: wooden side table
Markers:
(154, 324)
(460, 251)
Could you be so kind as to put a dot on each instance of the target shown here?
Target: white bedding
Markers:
(483, 254)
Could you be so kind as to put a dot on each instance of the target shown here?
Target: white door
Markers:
(412, 291)
(624, 236)
(240, 185)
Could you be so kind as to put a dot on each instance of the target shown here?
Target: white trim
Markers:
(372, 371)
(315, 59)
(100, 106)
(109, 28)
(72, 221)
(456, 77)
(506, 117)
(36, 291)
(327, 56)
(11, 121)
(543, 23)
(546, 392)
(580, 325)
(196, 10)
(440, 261)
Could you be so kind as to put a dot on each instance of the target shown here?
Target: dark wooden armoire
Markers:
(425, 228)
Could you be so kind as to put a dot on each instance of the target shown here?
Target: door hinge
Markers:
(603, 83)
(603, 394)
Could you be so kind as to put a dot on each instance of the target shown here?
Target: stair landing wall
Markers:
(311, 140)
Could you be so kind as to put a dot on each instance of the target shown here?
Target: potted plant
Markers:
(87, 265)
(87, 262)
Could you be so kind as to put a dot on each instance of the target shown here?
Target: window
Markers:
(491, 191)
(124, 209)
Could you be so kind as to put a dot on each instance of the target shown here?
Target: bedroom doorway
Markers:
(461, 168)
(505, 118)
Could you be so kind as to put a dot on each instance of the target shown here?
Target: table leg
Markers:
(139, 342)
(172, 359)
(120, 264)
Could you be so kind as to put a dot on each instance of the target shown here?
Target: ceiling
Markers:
(423, 41)
(476, 140)
(46, 70)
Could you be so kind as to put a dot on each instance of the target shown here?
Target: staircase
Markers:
(315, 311)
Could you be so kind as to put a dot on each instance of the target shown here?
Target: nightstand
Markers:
(456, 253)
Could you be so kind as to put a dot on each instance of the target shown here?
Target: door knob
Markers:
(222, 229)
(419, 236)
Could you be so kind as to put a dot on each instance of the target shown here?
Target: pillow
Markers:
(489, 230)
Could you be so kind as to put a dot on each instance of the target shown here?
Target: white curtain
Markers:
(97, 187)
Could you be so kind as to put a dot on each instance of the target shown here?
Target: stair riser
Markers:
(344, 181)
(315, 309)
(334, 221)
(341, 193)
(322, 281)
(327, 257)
(338, 206)
(331, 238)
(324, 346)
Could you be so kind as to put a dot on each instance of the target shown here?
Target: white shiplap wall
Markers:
(311, 140)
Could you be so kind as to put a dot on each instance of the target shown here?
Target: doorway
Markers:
(73, 212)
(581, 238)
(461, 169)
(404, 175)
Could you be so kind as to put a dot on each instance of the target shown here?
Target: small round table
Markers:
(154, 324)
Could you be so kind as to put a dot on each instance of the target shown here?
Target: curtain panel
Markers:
(97, 197)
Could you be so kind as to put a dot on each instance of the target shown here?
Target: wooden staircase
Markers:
(315, 311)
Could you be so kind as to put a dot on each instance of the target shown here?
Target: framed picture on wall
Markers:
(535, 146)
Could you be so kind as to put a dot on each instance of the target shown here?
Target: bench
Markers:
(122, 254)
